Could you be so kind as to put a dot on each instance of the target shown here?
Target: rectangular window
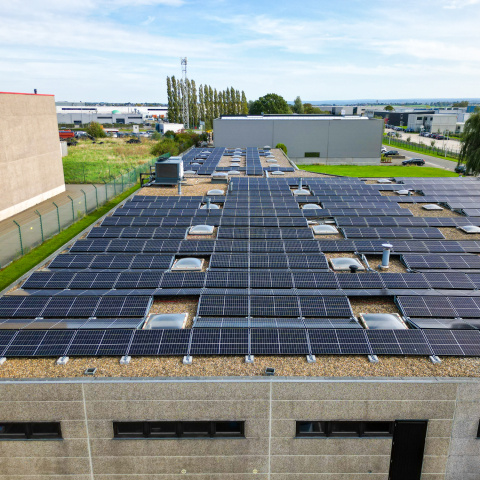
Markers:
(160, 429)
(312, 154)
(478, 431)
(344, 429)
(30, 430)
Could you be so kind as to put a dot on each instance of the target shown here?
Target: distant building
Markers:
(310, 139)
(84, 114)
(398, 118)
(434, 123)
(30, 158)
(165, 127)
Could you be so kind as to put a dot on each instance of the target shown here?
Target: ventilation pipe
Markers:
(208, 203)
(386, 256)
(353, 268)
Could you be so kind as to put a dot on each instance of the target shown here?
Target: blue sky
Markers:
(122, 50)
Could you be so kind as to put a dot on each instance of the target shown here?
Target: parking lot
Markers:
(451, 144)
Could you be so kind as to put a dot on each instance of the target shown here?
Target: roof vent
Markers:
(344, 263)
(469, 229)
(277, 172)
(403, 192)
(269, 371)
(216, 191)
(213, 206)
(324, 230)
(90, 371)
(166, 320)
(432, 206)
(382, 321)
(201, 230)
(188, 263)
(311, 206)
(233, 172)
(353, 268)
(189, 172)
(195, 163)
(301, 191)
(384, 180)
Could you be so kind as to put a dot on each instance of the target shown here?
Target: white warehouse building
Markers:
(310, 139)
(433, 122)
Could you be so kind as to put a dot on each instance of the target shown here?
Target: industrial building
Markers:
(259, 325)
(81, 114)
(309, 139)
(30, 157)
(433, 123)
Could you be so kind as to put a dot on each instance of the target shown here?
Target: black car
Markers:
(462, 169)
(391, 152)
(414, 161)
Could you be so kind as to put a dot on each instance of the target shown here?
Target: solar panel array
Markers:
(268, 288)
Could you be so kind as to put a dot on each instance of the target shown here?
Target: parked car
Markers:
(133, 140)
(414, 161)
(391, 152)
(462, 169)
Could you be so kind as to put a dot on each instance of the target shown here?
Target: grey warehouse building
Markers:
(310, 139)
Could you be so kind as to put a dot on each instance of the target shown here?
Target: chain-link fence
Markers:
(421, 148)
(27, 230)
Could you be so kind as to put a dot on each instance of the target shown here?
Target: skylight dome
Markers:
(188, 263)
(201, 230)
(324, 230)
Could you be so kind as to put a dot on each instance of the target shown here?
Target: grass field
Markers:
(374, 171)
(90, 162)
(21, 266)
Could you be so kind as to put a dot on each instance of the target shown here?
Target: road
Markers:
(451, 144)
(430, 161)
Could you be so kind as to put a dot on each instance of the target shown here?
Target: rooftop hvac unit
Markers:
(168, 171)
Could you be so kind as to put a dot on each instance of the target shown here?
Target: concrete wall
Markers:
(30, 160)
(269, 407)
(338, 140)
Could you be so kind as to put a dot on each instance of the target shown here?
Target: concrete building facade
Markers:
(30, 160)
(270, 408)
(433, 123)
(310, 139)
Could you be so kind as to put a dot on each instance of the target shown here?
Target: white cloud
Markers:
(454, 4)
(148, 21)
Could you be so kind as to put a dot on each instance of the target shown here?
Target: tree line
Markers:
(204, 104)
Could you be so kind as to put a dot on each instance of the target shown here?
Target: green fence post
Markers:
(58, 216)
(96, 193)
(85, 197)
(20, 235)
(73, 210)
(106, 191)
(41, 223)
(114, 187)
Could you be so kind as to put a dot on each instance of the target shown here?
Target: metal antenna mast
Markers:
(185, 92)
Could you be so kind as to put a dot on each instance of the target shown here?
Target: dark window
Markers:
(312, 154)
(478, 432)
(344, 429)
(178, 429)
(30, 430)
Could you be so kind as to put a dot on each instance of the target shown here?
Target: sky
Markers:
(123, 50)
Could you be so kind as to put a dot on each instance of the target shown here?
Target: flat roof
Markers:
(20, 93)
(327, 366)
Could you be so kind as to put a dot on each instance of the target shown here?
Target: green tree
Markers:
(95, 130)
(238, 102)
(312, 109)
(175, 102)
(389, 108)
(170, 112)
(298, 106)
(464, 103)
(193, 107)
(282, 146)
(215, 103)
(470, 150)
(270, 103)
(244, 109)
(201, 104)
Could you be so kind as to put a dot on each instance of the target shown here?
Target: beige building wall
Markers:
(269, 407)
(31, 169)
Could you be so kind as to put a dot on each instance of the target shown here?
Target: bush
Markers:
(95, 130)
(165, 146)
(282, 146)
